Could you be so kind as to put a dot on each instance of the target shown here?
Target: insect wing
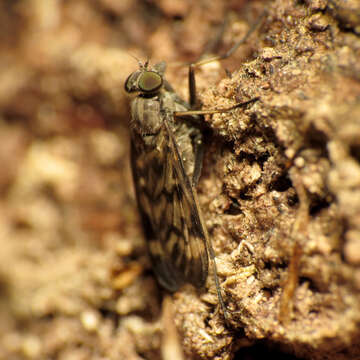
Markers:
(170, 214)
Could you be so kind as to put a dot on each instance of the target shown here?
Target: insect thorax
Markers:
(147, 123)
(145, 116)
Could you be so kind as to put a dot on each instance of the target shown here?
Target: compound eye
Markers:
(150, 81)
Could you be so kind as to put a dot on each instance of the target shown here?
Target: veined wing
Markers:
(171, 217)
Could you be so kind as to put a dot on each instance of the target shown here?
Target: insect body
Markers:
(166, 158)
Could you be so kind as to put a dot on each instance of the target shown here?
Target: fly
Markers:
(166, 161)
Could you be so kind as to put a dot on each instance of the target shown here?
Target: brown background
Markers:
(280, 189)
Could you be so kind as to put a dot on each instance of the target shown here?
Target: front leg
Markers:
(199, 154)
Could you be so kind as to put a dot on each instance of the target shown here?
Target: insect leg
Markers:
(193, 101)
(212, 257)
(194, 104)
(235, 46)
(214, 111)
(199, 154)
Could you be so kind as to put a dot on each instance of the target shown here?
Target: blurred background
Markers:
(70, 242)
(75, 279)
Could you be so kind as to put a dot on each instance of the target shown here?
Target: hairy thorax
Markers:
(147, 128)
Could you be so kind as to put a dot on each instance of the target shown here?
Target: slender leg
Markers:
(199, 149)
(235, 47)
(192, 88)
(215, 111)
(210, 47)
(199, 154)
(194, 104)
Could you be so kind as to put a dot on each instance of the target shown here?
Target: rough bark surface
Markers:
(280, 188)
